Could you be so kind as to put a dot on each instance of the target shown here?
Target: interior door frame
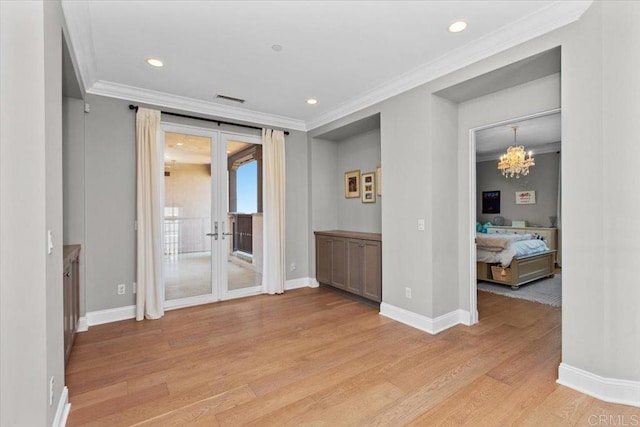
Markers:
(473, 285)
(215, 278)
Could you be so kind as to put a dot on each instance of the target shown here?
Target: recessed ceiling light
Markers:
(179, 144)
(457, 26)
(277, 47)
(312, 101)
(154, 62)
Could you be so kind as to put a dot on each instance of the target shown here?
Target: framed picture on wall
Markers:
(369, 187)
(379, 180)
(491, 202)
(525, 197)
(352, 184)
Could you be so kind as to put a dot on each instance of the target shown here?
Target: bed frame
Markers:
(522, 270)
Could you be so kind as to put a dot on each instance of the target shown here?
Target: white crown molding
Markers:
(161, 99)
(611, 390)
(80, 40)
(552, 17)
(424, 323)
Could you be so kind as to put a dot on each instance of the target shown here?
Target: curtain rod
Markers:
(219, 122)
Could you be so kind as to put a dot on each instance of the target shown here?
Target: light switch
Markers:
(49, 242)
(421, 225)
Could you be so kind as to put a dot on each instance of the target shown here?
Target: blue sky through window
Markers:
(247, 187)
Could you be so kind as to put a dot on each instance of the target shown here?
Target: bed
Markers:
(513, 259)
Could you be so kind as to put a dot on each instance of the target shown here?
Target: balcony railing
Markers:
(185, 235)
(243, 233)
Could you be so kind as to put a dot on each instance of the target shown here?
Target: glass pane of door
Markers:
(243, 224)
(187, 216)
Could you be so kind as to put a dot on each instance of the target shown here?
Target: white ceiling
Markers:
(347, 54)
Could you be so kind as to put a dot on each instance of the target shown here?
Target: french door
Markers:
(201, 236)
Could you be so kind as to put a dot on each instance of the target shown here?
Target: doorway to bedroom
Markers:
(518, 211)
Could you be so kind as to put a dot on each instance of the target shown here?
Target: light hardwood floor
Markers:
(312, 357)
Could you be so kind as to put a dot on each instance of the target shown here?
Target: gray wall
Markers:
(31, 337)
(543, 179)
(297, 204)
(620, 202)
(360, 152)
(73, 181)
(110, 200)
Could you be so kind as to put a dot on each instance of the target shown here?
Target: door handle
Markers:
(223, 232)
(215, 234)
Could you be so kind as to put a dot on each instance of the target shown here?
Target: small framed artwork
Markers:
(525, 197)
(379, 180)
(369, 187)
(352, 184)
(490, 202)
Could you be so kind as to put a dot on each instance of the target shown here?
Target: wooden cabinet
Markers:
(331, 265)
(71, 299)
(350, 261)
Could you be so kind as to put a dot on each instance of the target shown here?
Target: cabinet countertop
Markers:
(351, 234)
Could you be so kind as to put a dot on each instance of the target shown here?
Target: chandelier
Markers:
(514, 162)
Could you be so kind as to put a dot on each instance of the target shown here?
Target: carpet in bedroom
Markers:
(546, 291)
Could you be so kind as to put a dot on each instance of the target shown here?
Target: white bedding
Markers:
(514, 249)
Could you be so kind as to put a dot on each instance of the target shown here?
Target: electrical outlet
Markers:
(51, 384)
(122, 289)
(407, 293)
(421, 225)
(292, 267)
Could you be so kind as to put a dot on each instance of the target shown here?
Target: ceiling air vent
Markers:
(230, 98)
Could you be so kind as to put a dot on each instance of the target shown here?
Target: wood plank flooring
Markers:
(312, 357)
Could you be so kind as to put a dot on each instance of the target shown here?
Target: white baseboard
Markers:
(110, 315)
(62, 412)
(303, 282)
(129, 312)
(83, 326)
(424, 323)
(610, 390)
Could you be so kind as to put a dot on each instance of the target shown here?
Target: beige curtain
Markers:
(149, 297)
(274, 272)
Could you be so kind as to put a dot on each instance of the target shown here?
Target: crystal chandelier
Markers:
(514, 162)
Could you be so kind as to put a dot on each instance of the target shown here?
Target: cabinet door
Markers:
(354, 266)
(323, 259)
(372, 270)
(339, 263)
